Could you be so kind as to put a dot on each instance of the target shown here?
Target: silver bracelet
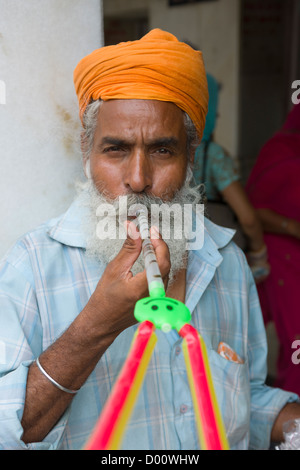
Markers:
(67, 390)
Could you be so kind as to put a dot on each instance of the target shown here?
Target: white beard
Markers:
(106, 249)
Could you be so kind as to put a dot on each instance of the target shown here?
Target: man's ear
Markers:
(192, 155)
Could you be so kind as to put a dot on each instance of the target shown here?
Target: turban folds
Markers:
(155, 67)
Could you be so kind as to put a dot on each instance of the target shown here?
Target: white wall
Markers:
(41, 42)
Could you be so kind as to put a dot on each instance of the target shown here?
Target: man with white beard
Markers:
(67, 298)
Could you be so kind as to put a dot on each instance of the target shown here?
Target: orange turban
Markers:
(156, 67)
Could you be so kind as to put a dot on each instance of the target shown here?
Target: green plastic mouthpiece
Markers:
(165, 313)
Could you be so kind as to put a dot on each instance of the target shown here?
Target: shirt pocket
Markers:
(231, 381)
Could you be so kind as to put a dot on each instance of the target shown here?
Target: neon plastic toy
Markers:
(159, 311)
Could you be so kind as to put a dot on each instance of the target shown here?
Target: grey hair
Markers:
(89, 127)
(193, 139)
(90, 124)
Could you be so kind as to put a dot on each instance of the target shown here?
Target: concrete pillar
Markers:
(40, 44)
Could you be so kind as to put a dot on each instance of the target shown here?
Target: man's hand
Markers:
(290, 411)
(118, 290)
(74, 355)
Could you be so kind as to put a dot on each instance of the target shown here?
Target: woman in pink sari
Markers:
(274, 190)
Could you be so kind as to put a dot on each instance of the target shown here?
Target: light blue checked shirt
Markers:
(47, 279)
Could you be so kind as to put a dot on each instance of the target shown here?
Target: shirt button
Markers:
(177, 350)
(183, 409)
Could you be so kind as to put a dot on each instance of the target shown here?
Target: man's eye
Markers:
(163, 151)
(113, 148)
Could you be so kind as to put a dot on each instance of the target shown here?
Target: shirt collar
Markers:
(202, 263)
(215, 238)
(68, 229)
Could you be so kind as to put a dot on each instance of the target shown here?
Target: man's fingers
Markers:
(122, 264)
(130, 250)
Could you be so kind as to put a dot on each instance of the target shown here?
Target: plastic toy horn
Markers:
(159, 311)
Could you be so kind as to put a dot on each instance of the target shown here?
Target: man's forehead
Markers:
(132, 115)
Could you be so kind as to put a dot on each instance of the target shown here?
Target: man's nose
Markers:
(138, 174)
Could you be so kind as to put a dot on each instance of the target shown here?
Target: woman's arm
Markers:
(276, 223)
(237, 199)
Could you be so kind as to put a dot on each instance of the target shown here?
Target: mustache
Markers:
(189, 193)
(158, 211)
(185, 195)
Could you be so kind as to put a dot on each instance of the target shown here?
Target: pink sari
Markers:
(275, 184)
